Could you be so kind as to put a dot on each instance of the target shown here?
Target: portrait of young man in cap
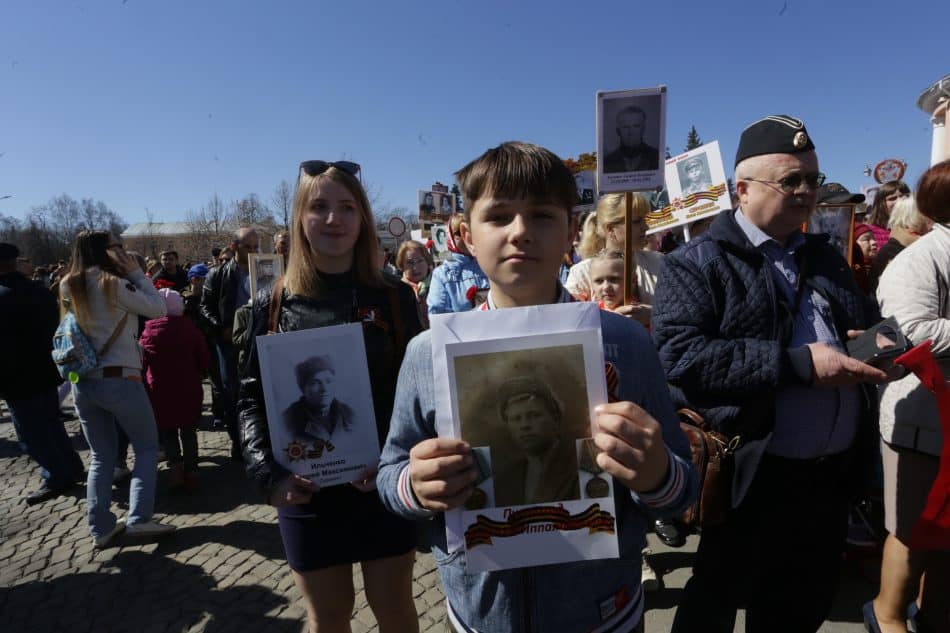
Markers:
(694, 175)
(542, 466)
(749, 320)
(318, 415)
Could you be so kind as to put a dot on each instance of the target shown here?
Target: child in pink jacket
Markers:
(175, 356)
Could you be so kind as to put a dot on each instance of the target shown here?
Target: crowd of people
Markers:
(746, 325)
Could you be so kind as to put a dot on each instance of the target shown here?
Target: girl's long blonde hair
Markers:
(90, 249)
(610, 210)
(302, 277)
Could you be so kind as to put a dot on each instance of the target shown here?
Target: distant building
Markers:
(192, 242)
(934, 101)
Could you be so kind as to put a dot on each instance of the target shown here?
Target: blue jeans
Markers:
(37, 424)
(102, 404)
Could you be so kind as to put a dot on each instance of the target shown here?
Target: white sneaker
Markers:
(648, 577)
(105, 539)
(149, 528)
(120, 474)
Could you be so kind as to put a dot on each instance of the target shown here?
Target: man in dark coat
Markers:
(227, 288)
(171, 271)
(750, 320)
(29, 380)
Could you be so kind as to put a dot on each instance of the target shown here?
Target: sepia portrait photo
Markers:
(263, 271)
(529, 407)
(318, 402)
(631, 137)
(837, 223)
(519, 386)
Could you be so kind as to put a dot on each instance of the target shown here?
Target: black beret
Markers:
(836, 193)
(8, 251)
(775, 134)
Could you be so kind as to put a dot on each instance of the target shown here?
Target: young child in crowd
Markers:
(606, 276)
(518, 225)
(174, 358)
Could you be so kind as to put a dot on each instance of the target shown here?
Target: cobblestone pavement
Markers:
(223, 570)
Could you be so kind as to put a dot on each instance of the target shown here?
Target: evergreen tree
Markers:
(692, 139)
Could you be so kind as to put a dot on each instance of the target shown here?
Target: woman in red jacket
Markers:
(174, 358)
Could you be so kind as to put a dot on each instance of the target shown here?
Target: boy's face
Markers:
(606, 277)
(520, 245)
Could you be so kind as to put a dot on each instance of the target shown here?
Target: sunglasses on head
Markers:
(317, 167)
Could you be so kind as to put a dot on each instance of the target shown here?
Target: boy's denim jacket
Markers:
(451, 282)
(600, 595)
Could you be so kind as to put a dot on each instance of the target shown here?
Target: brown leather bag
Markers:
(712, 457)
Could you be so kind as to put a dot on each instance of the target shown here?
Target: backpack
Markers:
(73, 353)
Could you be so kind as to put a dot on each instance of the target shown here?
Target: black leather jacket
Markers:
(343, 302)
(219, 296)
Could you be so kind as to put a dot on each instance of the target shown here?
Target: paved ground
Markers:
(223, 570)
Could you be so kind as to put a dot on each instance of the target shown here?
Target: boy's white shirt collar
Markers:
(564, 297)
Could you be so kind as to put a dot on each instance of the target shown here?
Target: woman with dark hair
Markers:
(914, 289)
(333, 277)
(884, 200)
(107, 291)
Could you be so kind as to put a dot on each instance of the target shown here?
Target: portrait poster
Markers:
(435, 206)
(838, 223)
(520, 386)
(263, 271)
(697, 188)
(319, 402)
(586, 193)
(631, 139)
(440, 237)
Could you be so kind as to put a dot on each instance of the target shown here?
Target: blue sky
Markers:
(158, 105)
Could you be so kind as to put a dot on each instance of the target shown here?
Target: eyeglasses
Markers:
(317, 167)
(415, 262)
(790, 184)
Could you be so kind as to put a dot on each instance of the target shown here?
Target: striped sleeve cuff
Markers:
(671, 490)
(407, 497)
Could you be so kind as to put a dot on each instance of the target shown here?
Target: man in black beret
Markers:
(29, 380)
(750, 321)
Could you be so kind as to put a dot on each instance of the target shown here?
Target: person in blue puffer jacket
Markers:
(453, 281)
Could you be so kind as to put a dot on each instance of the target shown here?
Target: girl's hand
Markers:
(366, 481)
(123, 261)
(292, 490)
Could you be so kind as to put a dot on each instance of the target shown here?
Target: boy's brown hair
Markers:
(518, 170)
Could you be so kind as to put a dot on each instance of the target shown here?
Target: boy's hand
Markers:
(441, 472)
(632, 444)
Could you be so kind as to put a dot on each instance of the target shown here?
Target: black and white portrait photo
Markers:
(446, 204)
(529, 407)
(837, 223)
(694, 174)
(264, 270)
(319, 403)
(426, 204)
(585, 190)
(631, 136)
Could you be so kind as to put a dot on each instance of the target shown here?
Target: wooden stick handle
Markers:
(629, 294)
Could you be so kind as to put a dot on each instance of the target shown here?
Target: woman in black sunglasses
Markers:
(332, 278)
